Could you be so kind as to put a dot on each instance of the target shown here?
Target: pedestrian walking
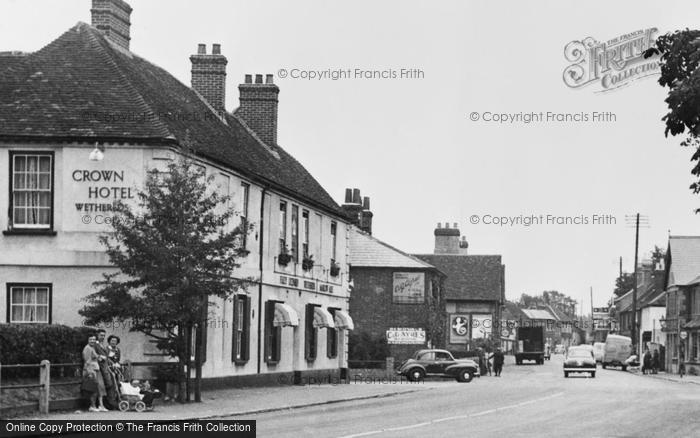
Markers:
(655, 362)
(498, 359)
(646, 363)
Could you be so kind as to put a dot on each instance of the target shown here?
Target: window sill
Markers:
(241, 362)
(272, 362)
(28, 232)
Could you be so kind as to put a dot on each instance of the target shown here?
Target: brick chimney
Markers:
(209, 76)
(113, 18)
(258, 107)
(358, 210)
(447, 239)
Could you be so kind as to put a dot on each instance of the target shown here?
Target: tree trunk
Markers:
(198, 350)
(181, 366)
(188, 361)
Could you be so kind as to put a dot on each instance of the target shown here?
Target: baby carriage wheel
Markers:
(140, 406)
(123, 405)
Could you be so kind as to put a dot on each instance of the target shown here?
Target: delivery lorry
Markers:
(530, 345)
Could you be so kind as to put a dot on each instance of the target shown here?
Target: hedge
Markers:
(32, 343)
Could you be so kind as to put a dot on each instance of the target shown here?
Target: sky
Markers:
(410, 144)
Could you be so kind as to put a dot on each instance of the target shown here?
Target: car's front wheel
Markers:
(416, 375)
(592, 375)
(464, 376)
(566, 374)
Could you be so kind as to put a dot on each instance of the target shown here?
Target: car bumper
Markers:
(579, 369)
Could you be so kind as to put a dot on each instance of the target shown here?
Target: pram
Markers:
(130, 398)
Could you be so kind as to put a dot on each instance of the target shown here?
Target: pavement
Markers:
(248, 401)
(669, 377)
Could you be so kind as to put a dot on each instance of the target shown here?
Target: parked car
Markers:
(598, 351)
(617, 350)
(439, 363)
(579, 360)
(558, 349)
(586, 347)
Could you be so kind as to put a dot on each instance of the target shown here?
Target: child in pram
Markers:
(137, 396)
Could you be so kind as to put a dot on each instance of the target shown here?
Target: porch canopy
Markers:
(323, 318)
(343, 321)
(285, 316)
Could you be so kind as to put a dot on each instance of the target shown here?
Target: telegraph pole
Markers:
(634, 293)
(645, 222)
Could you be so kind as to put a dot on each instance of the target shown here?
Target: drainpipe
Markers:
(260, 282)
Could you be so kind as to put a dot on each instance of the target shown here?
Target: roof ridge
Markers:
(416, 259)
(98, 38)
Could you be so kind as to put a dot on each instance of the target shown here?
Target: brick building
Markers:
(396, 298)
(84, 119)
(474, 289)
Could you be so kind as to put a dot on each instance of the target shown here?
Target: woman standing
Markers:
(93, 384)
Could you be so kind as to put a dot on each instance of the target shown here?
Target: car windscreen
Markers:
(583, 354)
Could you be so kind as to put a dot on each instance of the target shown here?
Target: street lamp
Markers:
(97, 154)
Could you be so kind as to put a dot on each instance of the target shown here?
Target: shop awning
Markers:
(323, 318)
(693, 323)
(285, 316)
(343, 321)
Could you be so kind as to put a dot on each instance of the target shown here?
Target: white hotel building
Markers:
(81, 122)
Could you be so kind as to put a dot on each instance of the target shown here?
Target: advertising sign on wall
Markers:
(406, 335)
(409, 287)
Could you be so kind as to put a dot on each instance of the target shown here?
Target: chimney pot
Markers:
(258, 79)
(455, 225)
(439, 225)
(365, 203)
(356, 199)
(248, 79)
(348, 196)
(268, 79)
(447, 225)
(201, 49)
(216, 49)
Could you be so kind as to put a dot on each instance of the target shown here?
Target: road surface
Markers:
(528, 400)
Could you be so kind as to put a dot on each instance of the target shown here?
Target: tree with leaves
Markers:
(679, 60)
(623, 284)
(174, 250)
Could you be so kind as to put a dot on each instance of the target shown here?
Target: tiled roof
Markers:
(368, 251)
(470, 277)
(685, 259)
(81, 87)
(561, 316)
(538, 314)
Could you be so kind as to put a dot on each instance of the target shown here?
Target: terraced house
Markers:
(81, 122)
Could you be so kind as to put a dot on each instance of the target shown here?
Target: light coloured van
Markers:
(617, 350)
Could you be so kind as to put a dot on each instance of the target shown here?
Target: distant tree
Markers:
(173, 250)
(657, 256)
(623, 284)
(556, 299)
(679, 60)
